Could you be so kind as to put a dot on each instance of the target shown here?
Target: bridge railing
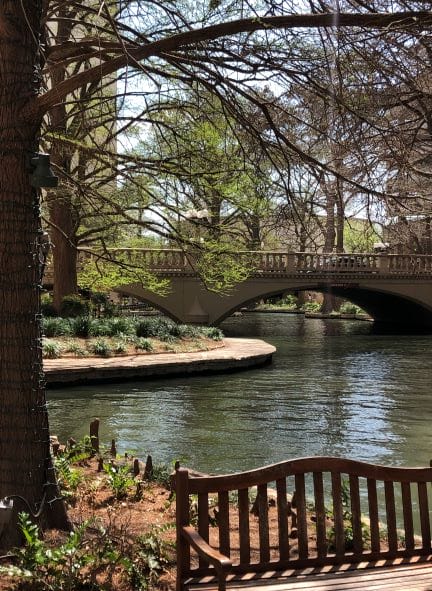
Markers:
(175, 261)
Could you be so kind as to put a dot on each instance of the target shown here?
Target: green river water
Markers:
(334, 388)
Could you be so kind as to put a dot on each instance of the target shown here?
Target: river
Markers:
(334, 388)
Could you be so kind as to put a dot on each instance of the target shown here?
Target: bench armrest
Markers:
(212, 556)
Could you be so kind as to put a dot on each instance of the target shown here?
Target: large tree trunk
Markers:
(25, 464)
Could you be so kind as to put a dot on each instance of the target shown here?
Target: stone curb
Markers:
(237, 354)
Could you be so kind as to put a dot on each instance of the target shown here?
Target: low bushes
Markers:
(104, 337)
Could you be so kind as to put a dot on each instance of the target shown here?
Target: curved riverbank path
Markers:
(237, 354)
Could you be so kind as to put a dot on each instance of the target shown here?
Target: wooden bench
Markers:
(344, 518)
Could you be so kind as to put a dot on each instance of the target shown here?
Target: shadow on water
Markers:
(334, 388)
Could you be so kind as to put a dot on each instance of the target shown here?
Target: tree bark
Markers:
(61, 211)
(26, 472)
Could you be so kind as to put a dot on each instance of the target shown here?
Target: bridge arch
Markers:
(392, 302)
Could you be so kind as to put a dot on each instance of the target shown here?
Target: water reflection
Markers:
(334, 389)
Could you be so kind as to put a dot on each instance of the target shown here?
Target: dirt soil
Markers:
(124, 520)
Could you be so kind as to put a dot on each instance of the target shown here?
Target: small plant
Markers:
(212, 332)
(73, 306)
(70, 566)
(350, 308)
(119, 347)
(101, 348)
(119, 479)
(311, 307)
(56, 327)
(149, 559)
(47, 306)
(121, 326)
(76, 349)
(81, 326)
(51, 349)
(348, 522)
(142, 344)
(68, 478)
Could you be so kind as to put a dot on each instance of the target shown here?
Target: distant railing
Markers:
(264, 263)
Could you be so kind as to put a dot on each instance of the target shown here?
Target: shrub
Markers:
(311, 307)
(81, 326)
(47, 306)
(73, 306)
(56, 327)
(155, 327)
(101, 347)
(76, 349)
(350, 308)
(51, 349)
(142, 344)
(121, 326)
(119, 479)
(212, 332)
(119, 347)
(99, 328)
(187, 331)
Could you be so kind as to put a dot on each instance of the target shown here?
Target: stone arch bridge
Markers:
(391, 288)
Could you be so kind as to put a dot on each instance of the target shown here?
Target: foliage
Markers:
(51, 349)
(81, 326)
(221, 268)
(70, 566)
(119, 479)
(47, 306)
(119, 347)
(68, 478)
(73, 306)
(56, 327)
(350, 308)
(348, 522)
(359, 236)
(149, 559)
(212, 332)
(143, 344)
(76, 349)
(76, 563)
(101, 347)
(157, 327)
(103, 275)
(311, 307)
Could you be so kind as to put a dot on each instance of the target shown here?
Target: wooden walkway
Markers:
(397, 577)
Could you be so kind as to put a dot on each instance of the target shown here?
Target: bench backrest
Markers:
(342, 511)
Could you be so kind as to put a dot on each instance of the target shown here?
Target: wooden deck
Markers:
(414, 576)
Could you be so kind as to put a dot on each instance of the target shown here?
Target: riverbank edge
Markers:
(236, 355)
